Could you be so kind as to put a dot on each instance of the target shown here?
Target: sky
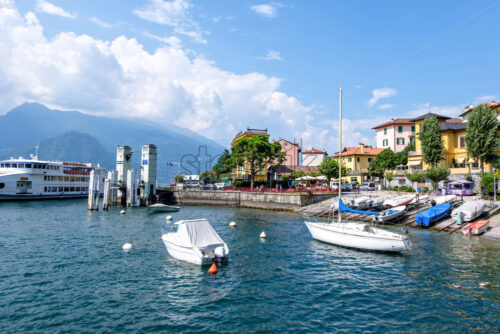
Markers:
(218, 67)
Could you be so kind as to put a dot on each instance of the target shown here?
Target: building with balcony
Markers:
(395, 134)
(313, 157)
(357, 160)
(243, 172)
(292, 153)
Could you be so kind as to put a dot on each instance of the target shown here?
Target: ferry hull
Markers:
(29, 197)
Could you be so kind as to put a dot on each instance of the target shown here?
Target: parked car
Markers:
(220, 185)
(367, 186)
(347, 187)
(209, 187)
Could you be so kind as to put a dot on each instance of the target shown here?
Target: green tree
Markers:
(401, 158)
(436, 174)
(329, 167)
(179, 178)
(416, 176)
(389, 176)
(432, 145)
(223, 164)
(212, 175)
(383, 161)
(482, 137)
(257, 153)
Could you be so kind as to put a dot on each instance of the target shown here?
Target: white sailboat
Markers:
(354, 234)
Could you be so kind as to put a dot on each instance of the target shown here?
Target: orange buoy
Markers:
(213, 269)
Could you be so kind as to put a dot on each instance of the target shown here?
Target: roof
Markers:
(289, 142)
(468, 109)
(357, 151)
(394, 121)
(454, 126)
(251, 132)
(314, 151)
(419, 118)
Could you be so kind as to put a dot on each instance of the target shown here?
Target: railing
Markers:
(414, 153)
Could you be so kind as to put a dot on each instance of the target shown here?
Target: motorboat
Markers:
(361, 202)
(445, 199)
(159, 207)
(355, 234)
(391, 214)
(399, 201)
(469, 211)
(420, 199)
(428, 216)
(195, 241)
(476, 228)
(377, 202)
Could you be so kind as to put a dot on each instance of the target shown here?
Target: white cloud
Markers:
(486, 98)
(173, 41)
(380, 93)
(385, 106)
(175, 14)
(450, 111)
(272, 55)
(100, 23)
(357, 86)
(46, 7)
(266, 10)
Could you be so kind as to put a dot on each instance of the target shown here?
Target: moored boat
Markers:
(428, 216)
(195, 241)
(399, 201)
(469, 210)
(391, 214)
(476, 228)
(159, 207)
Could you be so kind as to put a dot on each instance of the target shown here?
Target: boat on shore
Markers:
(360, 202)
(399, 201)
(444, 199)
(476, 228)
(427, 217)
(377, 202)
(159, 207)
(468, 211)
(195, 241)
(390, 215)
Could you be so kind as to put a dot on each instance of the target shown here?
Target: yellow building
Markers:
(357, 160)
(453, 131)
(243, 172)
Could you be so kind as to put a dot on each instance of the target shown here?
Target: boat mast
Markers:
(340, 149)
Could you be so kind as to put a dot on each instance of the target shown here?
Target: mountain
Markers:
(30, 123)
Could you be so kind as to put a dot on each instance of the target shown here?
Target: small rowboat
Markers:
(476, 228)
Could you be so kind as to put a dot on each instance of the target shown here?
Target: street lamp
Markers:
(494, 185)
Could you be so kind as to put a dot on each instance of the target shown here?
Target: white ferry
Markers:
(34, 179)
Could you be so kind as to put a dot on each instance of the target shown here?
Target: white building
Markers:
(313, 157)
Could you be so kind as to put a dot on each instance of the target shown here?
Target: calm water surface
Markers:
(62, 269)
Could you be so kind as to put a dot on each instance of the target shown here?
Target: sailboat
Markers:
(354, 234)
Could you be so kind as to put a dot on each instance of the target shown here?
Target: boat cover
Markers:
(426, 217)
(198, 233)
(345, 208)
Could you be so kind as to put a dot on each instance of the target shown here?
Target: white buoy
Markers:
(122, 212)
(169, 217)
(232, 224)
(483, 284)
(263, 235)
(456, 286)
(127, 246)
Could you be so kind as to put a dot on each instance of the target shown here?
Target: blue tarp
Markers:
(345, 208)
(426, 217)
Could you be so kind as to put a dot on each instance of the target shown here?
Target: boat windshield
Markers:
(174, 228)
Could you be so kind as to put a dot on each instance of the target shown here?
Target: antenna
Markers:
(35, 156)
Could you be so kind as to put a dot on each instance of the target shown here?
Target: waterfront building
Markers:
(395, 134)
(357, 160)
(243, 172)
(313, 157)
(292, 152)
(453, 131)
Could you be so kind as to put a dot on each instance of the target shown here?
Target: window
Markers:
(349, 160)
(20, 165)
(14, 165)
(413, 128)
(369, 159)
(357, 159)
(385, 131)
(2, 185)
(28, 165)
(461, 142)
(412, 140)
(400, 141)
(400, 129)
(385, 142)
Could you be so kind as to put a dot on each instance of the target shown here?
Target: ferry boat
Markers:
(28, 179)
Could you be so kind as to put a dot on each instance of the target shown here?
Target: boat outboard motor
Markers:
(433, 203)
(219, 252)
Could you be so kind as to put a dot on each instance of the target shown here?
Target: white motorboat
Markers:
(358, 235)
(361, 202)
(398, 201)
(195, 241)
(445, 199)
(470, 210)
(355, 234)
(420, 199)
(391, 214)
(159, 207)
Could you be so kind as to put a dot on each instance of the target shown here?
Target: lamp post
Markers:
(494, 185)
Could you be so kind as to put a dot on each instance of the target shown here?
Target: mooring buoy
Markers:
(263, 235)
(122, 212)
(168, 217)
(127, 246)
(232, 224)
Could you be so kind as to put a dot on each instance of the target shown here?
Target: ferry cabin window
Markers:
(66, 178)
(59, 178)
(72, 189)
(7, 165)
(14, 165)
(60, 189)
(66, 188)
(28, 165)
(20, 165)
(2, 185)
(77, 188)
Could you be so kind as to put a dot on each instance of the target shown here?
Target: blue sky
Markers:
(216, 67)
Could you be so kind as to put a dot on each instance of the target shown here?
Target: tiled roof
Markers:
(454, 120)
(314, 151)
(394, 121)
(452, 126)
(468, 109)
(357, 151)
(419, 118)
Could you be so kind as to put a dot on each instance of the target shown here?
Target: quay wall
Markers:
(269, 201)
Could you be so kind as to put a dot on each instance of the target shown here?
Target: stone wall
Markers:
(270, 201)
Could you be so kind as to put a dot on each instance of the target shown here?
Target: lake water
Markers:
(62, 269)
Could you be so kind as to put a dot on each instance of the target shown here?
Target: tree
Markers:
(389, 176)
(179, 178)
(256, 153)
(329, 167)
(436, 174)
(432, 145)
(211, 175)
(416, 176)
(223, 164)
(482, 137)
(383, 161)
(401, 158)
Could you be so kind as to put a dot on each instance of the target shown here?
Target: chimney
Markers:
(362, 146)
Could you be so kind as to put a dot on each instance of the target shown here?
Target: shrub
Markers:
(396, 188)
